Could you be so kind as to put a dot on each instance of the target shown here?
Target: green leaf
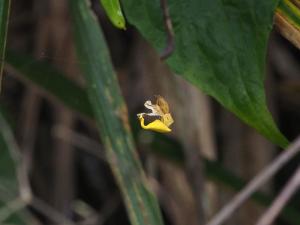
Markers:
(111, 116)
(287, 20)
(161, 145)
(4, 15)
(114, 12)
(220, 46)
(290, 11)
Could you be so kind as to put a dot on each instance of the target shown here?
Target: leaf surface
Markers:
(114, 12)
(220, 47)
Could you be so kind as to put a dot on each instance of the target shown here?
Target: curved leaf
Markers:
(114, 12)
(4, 14)
(220, 46)
(112, 119)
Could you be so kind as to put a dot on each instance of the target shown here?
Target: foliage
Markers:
(287, 20)
(114, 12)
(220, 46)
(161, 146)
(111, 115)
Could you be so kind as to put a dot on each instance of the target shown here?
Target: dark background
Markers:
(68, 169)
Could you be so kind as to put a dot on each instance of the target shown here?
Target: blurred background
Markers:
(65, 159)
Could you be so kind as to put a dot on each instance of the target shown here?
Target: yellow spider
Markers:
(160, 109)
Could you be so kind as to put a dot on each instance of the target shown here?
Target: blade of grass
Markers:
(4, 15)
(287, 20)
(111, 116)
(161, 145)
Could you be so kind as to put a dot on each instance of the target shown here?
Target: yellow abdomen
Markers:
(156, 125)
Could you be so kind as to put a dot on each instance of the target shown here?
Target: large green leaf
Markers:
(220, 46)
(4, 14)
(111, 115)
(160, 145)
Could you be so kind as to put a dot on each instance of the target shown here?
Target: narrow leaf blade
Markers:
(287, 20)
(114, 12)
(111, 116)
(4, 15)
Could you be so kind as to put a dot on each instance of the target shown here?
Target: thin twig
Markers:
(169, 29)
(26, 196)
(29, 111)
(281, 200)
(256, 182)
(25, 192)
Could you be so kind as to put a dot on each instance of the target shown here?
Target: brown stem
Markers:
(290, 188)
(256, 182)
(169, 29)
